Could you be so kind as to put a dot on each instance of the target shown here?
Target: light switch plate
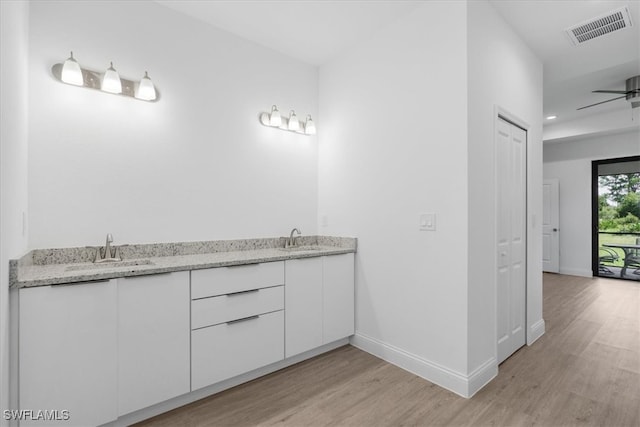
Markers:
(427, 222)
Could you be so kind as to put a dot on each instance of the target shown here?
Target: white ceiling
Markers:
(315, 31)
(572, 72)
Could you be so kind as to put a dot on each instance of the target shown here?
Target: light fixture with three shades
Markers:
(110, 81)
(275, 119)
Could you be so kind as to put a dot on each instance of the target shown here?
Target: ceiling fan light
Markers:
(71, 72)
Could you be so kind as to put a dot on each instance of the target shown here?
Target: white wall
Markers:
(14, 40)
(503, 73)
(197, 165)
(393, 144)
(570, 163)
(419, 138)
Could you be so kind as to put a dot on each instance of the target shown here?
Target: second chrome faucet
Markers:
(292, 240)
(108, 255)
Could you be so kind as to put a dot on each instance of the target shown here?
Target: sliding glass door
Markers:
(616, 218)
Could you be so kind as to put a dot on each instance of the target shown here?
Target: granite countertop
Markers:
(43, 267)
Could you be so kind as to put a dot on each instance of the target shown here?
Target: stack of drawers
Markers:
(237, 320)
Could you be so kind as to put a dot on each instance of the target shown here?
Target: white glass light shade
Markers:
(309, 126)
(294, 124)
(71, 72)
(146, 90)
(111, 81)
(274, 118)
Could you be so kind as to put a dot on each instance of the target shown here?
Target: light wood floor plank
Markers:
(585, 371)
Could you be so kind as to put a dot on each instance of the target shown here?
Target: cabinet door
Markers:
(67, 348)
(338, 297)
(303, 305)
(153, 339)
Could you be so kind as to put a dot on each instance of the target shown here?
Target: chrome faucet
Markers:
(108, 256)
(292, 240)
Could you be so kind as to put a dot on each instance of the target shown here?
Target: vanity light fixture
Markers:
(551, 117)
(292, 124)
(309, 126)
(111, 81)
(274, 117)
(146, 90)
(71, 72)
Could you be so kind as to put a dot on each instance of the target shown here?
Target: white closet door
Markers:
(511, 148)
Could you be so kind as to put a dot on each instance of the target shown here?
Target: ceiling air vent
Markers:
(613, 21)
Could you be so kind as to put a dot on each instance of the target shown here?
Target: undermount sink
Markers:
(105, 265)
(301, 248)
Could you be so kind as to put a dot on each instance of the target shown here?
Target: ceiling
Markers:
(315, 31)
(572, 72)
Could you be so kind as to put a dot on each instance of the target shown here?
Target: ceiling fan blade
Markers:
(603, 102)
(621, 92)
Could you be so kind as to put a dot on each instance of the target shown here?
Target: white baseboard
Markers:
(536, 331)
(463, 385)
(576, 272)
(482, 375)
(185, 399)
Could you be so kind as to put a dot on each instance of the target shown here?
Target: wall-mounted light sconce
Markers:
(292, 124)
(110, 81)
(309, 126)
(274, 117)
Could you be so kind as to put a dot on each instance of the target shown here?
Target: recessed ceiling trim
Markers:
(610, 22)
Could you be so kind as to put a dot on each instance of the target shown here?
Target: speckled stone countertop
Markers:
(42, 267)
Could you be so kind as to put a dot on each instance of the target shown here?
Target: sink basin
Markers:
(301, 248)
(106, 265)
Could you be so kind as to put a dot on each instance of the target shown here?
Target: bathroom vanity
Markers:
(119, 343)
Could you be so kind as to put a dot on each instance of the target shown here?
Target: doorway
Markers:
(615, 204)
(511, 235)
(551, 226)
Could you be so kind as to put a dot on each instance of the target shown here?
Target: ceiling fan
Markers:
(632, 93)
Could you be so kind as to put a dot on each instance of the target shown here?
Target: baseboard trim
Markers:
(536, 331)
(482, 375)
(576, 272)
(462, 385)
(185, 399)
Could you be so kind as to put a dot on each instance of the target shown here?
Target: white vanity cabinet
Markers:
(237, 320)
(303, 310)
(338, 297)
(97, 352)
(67, 352)
(153, 339)
(319, 301)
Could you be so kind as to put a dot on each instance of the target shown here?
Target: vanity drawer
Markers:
(220, 309)
(229, 349)
(225, 280)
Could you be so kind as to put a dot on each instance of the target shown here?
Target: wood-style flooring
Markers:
(585, 371)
